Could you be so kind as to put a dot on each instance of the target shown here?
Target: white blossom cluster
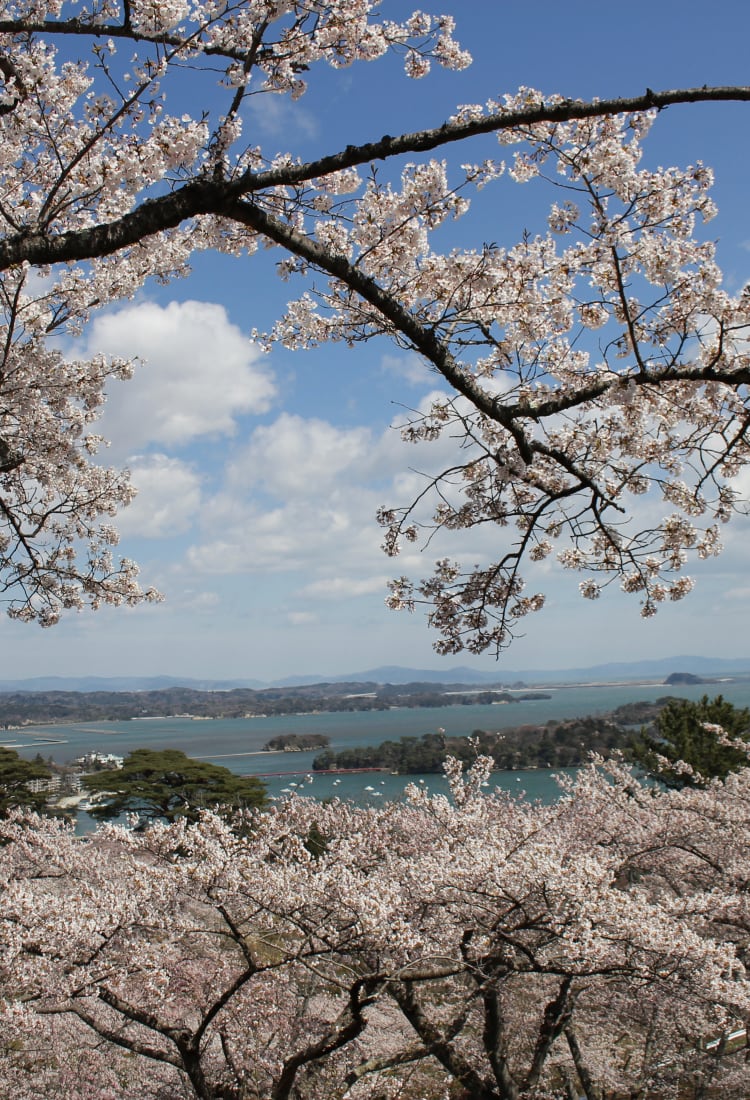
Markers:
(85, 143)
(598, 368)
(334, 951)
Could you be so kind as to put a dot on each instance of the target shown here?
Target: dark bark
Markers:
(591, 1092)
(556, 1016)
(210, 196)
(349, 1027)
(440, 1048)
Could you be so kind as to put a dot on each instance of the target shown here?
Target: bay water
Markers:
(237, 744)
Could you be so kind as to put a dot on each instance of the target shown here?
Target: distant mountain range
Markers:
(396, 674)
(616, 670)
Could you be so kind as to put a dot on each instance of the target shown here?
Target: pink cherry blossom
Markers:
(511, 949)
(110, 175)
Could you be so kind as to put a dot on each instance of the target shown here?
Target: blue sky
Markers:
(259, 475)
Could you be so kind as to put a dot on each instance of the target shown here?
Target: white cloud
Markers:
(200, 373)
(169, 497)
(322, 486)
(343, 587)
(277, 116)
(296, 536)
(197, 601)
(307, 457)
(301, 618)
(733, 594)
(409, 368)
(294, 455)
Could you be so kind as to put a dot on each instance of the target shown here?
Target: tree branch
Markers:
(201, 196)
(436, 1045)
(354, 1024)
(113, 1035)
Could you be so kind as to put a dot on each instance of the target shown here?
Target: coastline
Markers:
(28, 728)
(240, 744)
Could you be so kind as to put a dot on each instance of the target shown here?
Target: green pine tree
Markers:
(16, 775)
(680, 734)
(167, 785)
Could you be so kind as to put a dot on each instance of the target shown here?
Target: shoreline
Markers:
(27, 729)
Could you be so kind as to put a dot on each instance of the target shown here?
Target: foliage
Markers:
(87, 706)
(556, 745)
(596, 361)
(24, 707)
(15, 776)
(168, 785)
(482, 947)
(296, 742)
(691, 742)
(408, 755)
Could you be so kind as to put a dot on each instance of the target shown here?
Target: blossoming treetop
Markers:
(594, 363)
(483, 947)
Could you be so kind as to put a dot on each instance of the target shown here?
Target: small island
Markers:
(557, 744)
(687, 678)
(297, 742)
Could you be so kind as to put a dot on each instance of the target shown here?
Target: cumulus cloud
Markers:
(299, 497)
(409, 368)
(200, 373)
(343, 587)
(169, 497)
(299, 456)
(294, 536)
(296, 455)
(302, 496)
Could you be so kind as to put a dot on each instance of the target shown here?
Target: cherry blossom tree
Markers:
(594, 363)
(481, 947)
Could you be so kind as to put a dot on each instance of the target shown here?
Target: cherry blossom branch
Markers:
(361, 995)
(379, 1063)
(202, 196)
(119, 1038)
(422, 338)
(435, 1044)
(564, 438)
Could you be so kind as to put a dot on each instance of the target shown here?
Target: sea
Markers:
(237, 744)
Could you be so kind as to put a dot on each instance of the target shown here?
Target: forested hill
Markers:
(21, 708)
(555, 745)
